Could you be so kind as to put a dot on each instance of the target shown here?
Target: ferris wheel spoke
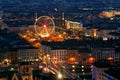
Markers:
(44, 26)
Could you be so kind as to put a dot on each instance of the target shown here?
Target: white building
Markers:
(59, 55)
(29, 54)
(73, 25)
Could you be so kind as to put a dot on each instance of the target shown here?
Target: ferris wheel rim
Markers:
(45, 17)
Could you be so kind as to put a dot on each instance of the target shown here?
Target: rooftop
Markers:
(102, 64)
(114, 72)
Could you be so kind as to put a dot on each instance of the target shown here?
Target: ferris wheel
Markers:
(44, 26)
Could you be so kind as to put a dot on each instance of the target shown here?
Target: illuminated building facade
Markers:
(105, 50)
(11, 55)
(58, 55)
(85, 56)
(103, 53)
(73, 56)
(101, 33)
(109, 14)
(61, 52)
(73, 25)
(28, 54)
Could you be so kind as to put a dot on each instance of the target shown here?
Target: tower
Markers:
(95, 32)
(63, 19)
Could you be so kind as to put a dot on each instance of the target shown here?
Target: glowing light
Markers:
(73, 70)
(46, 70)
(44, 26)
(56, 9)
(59, 76)
(40, 67)
(95, 32)
(105, 39)
(72, 60)
(12, 69)
(55, 60)
(110, 58)
(48, 55)
(82, 66)
(73, 66)
(60, 36)
(37, 59)
(91, 66)
(83, 73)
(56, 38)
(82, 70)
(91, 60)
(44, 35)
(6, 60)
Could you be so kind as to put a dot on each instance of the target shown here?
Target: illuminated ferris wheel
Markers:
(44, 26)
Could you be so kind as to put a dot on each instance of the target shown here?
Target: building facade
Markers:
(28, 54)
(98, 69)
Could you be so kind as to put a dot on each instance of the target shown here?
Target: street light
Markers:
(73, 66)
(59, 76)
(82, 66)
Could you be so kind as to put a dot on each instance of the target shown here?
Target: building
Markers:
(71, 51)
(73, 55)
(58, 54)
(11, 55)
(117, 53)
(9, 73)
(98, 68)
(85, 56)
(105, 50)
(1, 14)
(103, 53)
(73, 25)
(111, 74)
(101, 32)
(28, 54)
(21, 72)
(105, 70)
